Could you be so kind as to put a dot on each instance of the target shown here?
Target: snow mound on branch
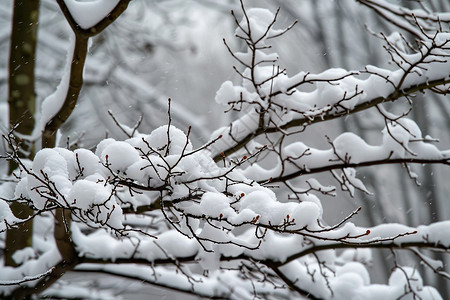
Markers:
(161, 138)
(6, 216)
(260, 19)
(58, 176)
(401, 140)
(87, 183)
(48, 166)
(88, 13)
(404, 282)
(89, 162)
(353, 146)
(228, 93)
(120, 155)
(241, 218)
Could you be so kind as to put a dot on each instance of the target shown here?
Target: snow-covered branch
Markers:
(211, 220)
(275, 102)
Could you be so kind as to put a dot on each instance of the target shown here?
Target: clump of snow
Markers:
(356, 268)
(7, 190)
(23, 255)
(102, 145)
(259, 20)
(151, 170)
(88, 161)
(120, 155)
(436, 232)
(88, 13)
(354, 147)
(158, 141)
(229, 93)
(48, 165)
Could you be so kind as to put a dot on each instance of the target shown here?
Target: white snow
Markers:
(53, 103)
(88, 13)
(215, 213)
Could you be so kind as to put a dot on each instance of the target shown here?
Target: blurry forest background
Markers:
(173, 49)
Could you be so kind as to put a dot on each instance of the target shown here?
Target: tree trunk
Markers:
(22, 101)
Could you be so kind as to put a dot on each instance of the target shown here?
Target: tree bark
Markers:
(22, 101)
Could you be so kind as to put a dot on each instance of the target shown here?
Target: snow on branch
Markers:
(57, 107)
(211, 220)
(216, 213)
(274, 102)
(402, 143)
(414, 21)
(26, 279)
(88, 14)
